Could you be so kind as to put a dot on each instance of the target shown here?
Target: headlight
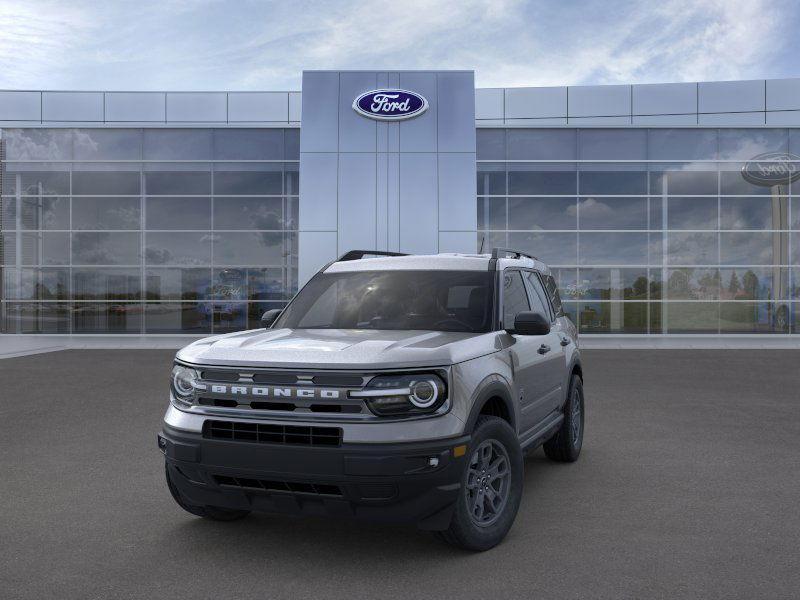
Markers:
(183, 382)
(400, 395)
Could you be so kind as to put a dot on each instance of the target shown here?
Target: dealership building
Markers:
(663, 209)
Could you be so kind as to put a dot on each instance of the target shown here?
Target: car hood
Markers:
(339, 348)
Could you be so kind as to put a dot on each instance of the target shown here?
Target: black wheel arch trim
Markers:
(492, 387)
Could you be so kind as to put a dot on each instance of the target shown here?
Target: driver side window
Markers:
(515, 299)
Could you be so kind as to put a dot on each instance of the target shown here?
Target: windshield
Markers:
(431, 300)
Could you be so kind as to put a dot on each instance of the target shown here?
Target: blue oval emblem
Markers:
(772, 168)
(390, 105)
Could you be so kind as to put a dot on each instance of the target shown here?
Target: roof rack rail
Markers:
(504, 252)
(358, 254)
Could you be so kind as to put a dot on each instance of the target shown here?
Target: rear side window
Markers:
(537, 294)
(515, 298)
(555, 298)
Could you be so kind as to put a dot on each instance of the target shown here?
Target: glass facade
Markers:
(649, 230)
(146, 230)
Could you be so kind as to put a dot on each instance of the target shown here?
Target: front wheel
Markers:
(565, 445)
(491, 488)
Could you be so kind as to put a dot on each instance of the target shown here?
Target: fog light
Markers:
(433, 461)
(162, 444)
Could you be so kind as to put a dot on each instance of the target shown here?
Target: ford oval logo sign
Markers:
(390, 105)
(772, 168)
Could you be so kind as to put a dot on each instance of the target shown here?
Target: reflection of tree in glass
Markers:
(750, 285)
(639, 288)
(734, 286)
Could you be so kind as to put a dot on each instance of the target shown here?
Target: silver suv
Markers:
(392, 387)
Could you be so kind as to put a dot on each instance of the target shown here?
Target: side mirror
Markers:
(531, 323)
(268, 318)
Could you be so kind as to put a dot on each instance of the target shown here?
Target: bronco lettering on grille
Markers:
(275, 392)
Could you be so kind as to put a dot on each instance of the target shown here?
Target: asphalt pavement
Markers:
(687, 487)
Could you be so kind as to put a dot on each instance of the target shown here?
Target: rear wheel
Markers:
(215, 513)
(565, 445)
(491, 488)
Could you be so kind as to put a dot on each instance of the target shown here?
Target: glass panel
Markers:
(613, 317)
(249, 182)
(266, 284)
(613, 284)
(175, 317)
(794, 287)
(571, 311)
(37, 284)
(691, 317)
(171, 248)
(103, 248)
(682, 144)
(754, 213)
(732, 182)
(692, 248)
(746, 144)
(106, 284)
(248, 144)
(656, 308)
(174, 212)
(552, 248)
(750, 248)
(45, 248)
(291, 213)
(291, 179)
(748, 317)
(567, 282)
(177, 284)
(248, 213)
(692, 213)
(291, 144)
(491, 179)
(490, 144)
(754, 283)
(106, 213)
(256, 309)
(541, 144)
(676, 181)
(613, 248)
(38, 144)
(44, 212)
(612, 144)
(541, 213)
(178, 144)
(613, 182)
(34, 317)
(253, 248)
(117, 183)
(656, 284)
(795, 221)
(524, 180)
(656, 213)
(795, 256)
(178, 183)
(693, 284)
(107, 144)
(36, 183)
(229, 316)
(612, 213)
(107, 318)
(8, 213)
(8, 248)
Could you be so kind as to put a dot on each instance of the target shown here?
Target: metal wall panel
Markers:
(664, 98)
(357, 201)
(458, 209)
(732, 119)
(419, 228)
(197, 107)
(536, 122)
(784, 118)
(258, 106)
(536, 103)
(599, 101)
(665, 120)
(730, 96)
(489, 103)
(295, 102)
(356, 134)
(456, 111)
(72, 106)
(319, 248)
(599, 121)
(458, 241)
(783, 94)
(320, 129)
(318, 189)
(419, 134)
(20, 106)
(136, 107)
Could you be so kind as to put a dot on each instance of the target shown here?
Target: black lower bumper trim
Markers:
(397, 483)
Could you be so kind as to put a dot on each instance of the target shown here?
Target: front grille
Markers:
(293, 487)
(269, 433)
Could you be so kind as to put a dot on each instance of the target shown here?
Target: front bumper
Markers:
(395, 483)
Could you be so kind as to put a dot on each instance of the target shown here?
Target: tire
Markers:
(215, 513)
(566, 444)
(474, 532)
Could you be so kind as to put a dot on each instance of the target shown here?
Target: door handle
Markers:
(544, 349)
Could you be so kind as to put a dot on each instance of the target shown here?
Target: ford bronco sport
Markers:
(392, 387)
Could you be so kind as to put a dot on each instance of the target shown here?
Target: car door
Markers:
(555, 358)
(531, 382)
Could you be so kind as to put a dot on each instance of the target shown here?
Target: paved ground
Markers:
(688, 487)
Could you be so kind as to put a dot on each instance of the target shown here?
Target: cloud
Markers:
(180, 44)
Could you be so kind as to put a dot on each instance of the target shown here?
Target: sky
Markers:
(265, 45)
